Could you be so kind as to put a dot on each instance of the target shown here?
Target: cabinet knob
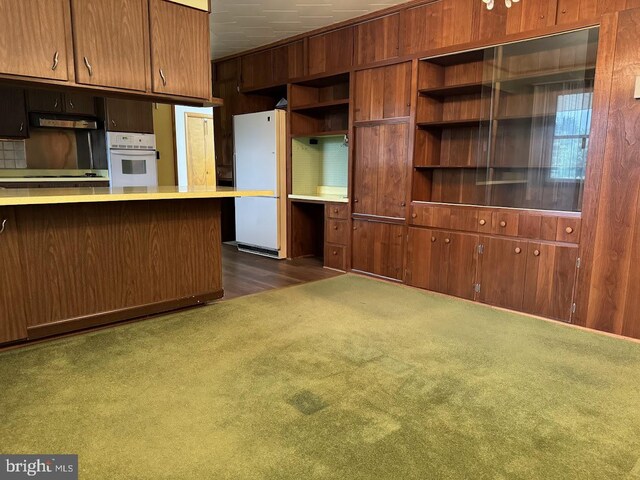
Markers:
(447, 240)
(518, 250)
(536, 253)
(503, 224)
(414, 215)
(564, 10)
(335, 227)
(568, 230)
(403, 204)
(335, 210)
(355, 200)
(2, 226)
(483, 222)
(335, 252)
(433, 239)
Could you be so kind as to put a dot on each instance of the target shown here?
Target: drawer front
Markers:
(339, 211)
(568, 230)
(335, 256)
(337, 232)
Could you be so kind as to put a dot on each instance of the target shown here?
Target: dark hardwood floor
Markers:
(245, 273)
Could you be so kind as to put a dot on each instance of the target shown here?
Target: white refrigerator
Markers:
(260, 164)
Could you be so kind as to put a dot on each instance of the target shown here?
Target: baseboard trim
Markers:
(114, 316)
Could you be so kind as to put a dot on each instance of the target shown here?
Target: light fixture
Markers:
(490, 3)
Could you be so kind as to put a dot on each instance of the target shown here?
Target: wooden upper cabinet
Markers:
(288, 62)
(584, 10)
(383, 92)
(124, 115)
(330, 52)
(35, 38)
(180, 57)
(111, 38)
(422, 29)
(377, 40)
(13, 114)
(257, 69)
(531, 15)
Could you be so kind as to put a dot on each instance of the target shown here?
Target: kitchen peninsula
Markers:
(82, 257)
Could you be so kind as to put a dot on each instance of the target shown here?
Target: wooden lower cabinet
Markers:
(503, 265)
(13, 318)
(378, 248)
(335, 256)
(441, 261)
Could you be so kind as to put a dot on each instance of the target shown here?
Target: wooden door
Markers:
(288, 62)
(383, 92)
(180, 50)
(13, 320)
(201, 165)
(257, 69)
(461, 252)
(427, 266)
(502, 272)
(550, 278)
(330, 52)
(79, 103)
(380, 170)
(111, 40)
(378, 248)
(35, 38)
(377, 40)
(13, 113)
(422, 29)
(45, 101)
(133, 116)
(531, 15)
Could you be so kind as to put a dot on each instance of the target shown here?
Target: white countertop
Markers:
(321, 198)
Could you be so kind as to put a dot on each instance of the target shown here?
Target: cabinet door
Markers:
(462, 258)
(45, 101)
(13, 320)
(257, 69)
(111, 37)
(380, 170)
(180, 50)
(377, 40)
(502, 272)
(550, 278)
(35, 35)
(288, 62)
(383, 92)
(331, 52)
(422, 28)
(129, 116)
(583, 10)
(426, 262)
(378, 248)
(13, 113)
(531, 15)
(79, 104)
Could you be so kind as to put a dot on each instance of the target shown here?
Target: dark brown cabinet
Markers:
(378, 248)
(180, 54)
(111, 38)
(35, 38)
(131, 116)
(13, 320)
(47, 101)
(442, 261)
(377, 40)
(570, 11)
(383, 92)
(336, 235)
(79, 104)
(330, 52)
(257, 69)
(380, 170)
(273, 67)
(13, 113)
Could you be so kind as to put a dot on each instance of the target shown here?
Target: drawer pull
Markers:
(447, 240)
(518, 250)
(56, 59)
(503, 224)
(2, 226)
(335, 210)
(164, 79)
(536, 253)
(403, 204)
(355, 200)
(483, 222)
(414, 215)
(88, 65)
(569, 230)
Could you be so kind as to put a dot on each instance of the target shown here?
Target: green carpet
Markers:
(347, 378)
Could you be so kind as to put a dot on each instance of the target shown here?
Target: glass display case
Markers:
(507, 126)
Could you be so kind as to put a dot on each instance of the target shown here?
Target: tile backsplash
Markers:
(12, 154)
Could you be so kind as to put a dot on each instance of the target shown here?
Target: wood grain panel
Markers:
(337, 210)
(377, 40)
(257, 69)
(365, 169)
(124, 115)
(113, 37)
(531, 15)
(13, 113)
(13, 316)
(383, 92)
(422, 29)
(583, 10)
(85, 260)
(462, 255)
(378, 248)
(550, 278)
(337, 231)
(335, 256)
(420, 258)
(31, 34)
(393, 169)
(330, 52)
(180, 48)
(502, 272)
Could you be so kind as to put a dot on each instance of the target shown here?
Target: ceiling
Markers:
(237, 26)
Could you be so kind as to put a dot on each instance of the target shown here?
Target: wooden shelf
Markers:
(468, 122)
(559, 75)
(330, 105)
(332, 133)
(451, 90)
(482, 167)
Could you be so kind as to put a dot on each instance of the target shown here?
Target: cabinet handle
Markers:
(21, 130)
(403, 204)
(518, 250)
(113, 122)
(56, 58)
(503, 224)
(2, 226)
(55, 104)
(89, 67)
(569, 230)
(164, 79)
(483, 222)
(447, 240)
(71, 106)
(335, 210)
(355, 200)
(536, 253)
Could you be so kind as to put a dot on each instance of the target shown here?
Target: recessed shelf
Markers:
(451, 90)
(553, 76)
(331, 133)
(467, 122)
(330, 105)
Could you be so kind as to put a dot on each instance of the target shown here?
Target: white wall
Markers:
(181, 144)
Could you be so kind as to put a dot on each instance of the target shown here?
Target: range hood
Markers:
(40, 120)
